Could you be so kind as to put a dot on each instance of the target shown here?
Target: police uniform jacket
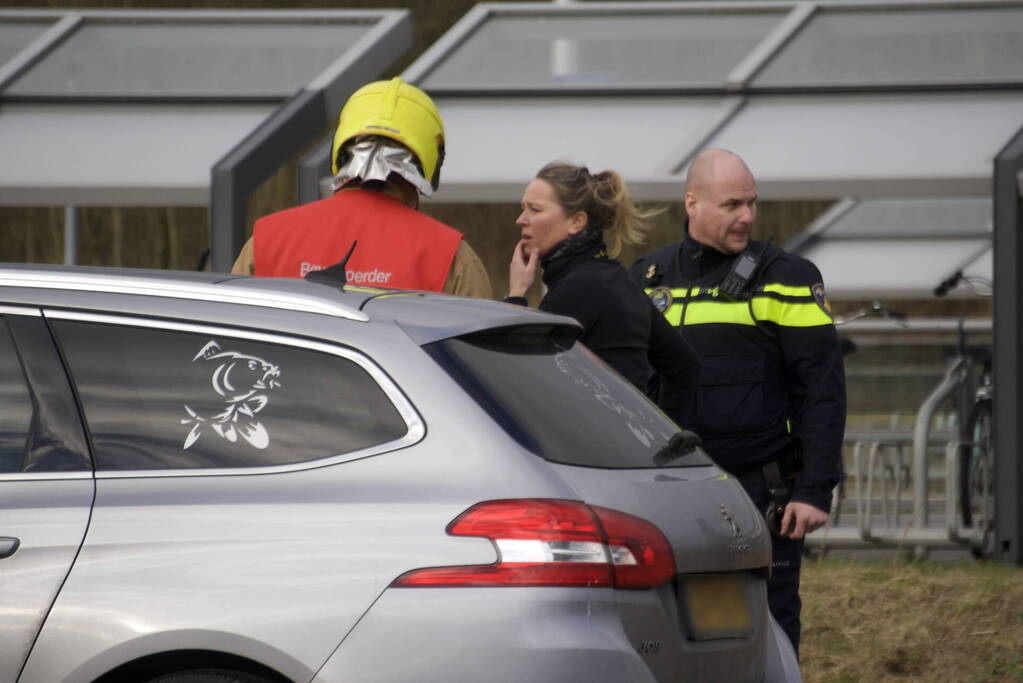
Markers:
(771, 380)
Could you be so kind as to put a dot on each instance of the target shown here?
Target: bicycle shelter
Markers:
(174, 107)
(887, 106)
(892, 108)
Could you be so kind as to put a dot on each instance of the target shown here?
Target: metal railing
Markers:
(888, 464)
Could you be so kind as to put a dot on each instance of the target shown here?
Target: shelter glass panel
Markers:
(891, 269)
(188, 59)
(15, 36)
(588, 51)
(913, 46)
(501, 141)
(124, 154)
(880, 145)
(930, 217)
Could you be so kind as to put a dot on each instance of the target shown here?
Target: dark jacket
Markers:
(772, 380)
(620, 325)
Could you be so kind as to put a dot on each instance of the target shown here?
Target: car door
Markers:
(46, 481)
(236, 503)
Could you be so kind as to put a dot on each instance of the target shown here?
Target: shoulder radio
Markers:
(735, 286)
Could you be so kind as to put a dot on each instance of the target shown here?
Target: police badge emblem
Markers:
(821, 297)
(661, 298)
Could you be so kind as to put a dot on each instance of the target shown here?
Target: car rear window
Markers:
(559, 400)
(167, 399)
(15, 406)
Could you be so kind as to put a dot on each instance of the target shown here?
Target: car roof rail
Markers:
(197, 287)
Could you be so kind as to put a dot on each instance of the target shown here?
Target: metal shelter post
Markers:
(251, 162)
(312, 169)
(1008, 255)
(70, 235)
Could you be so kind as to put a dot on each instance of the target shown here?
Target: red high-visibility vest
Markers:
(399, 247)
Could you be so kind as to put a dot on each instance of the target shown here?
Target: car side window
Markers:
(15, 406)
(171, 399)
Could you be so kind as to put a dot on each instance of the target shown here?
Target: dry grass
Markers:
(909, 621)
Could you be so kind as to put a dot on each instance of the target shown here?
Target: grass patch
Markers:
(911, 621)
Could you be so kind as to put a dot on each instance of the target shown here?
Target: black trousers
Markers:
(783, 586)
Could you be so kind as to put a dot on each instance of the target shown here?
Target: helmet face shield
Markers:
(397, 111)
(372, 157)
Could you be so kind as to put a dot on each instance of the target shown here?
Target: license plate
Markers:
(716, 606)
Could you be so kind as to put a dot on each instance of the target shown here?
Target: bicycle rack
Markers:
(885, 456)
(955, 529)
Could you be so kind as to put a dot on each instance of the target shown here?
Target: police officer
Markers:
(388, 149)
(770, 403)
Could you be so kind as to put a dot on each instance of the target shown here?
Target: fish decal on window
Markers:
(243, 381)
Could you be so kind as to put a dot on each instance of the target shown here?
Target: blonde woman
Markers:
(573, 224)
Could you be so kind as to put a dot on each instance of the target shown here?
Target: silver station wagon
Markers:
(207, 479)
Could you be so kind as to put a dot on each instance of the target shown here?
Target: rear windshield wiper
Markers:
(681, 444)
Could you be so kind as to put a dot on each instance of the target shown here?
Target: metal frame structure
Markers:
(821, 234)
(1008, 369)
(296, 121)
(737, 93)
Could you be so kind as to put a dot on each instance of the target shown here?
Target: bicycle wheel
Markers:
(977, 481)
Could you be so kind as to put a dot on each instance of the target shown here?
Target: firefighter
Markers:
(770, 402)
(388, 149)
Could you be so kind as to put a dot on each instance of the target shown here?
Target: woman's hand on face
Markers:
(522, 270)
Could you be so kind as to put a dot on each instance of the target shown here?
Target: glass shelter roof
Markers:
(187, 59)
(823, 99)
(827, 99)
(909, 46)
(559, 52)
(15, 36)
(894, 248)
(868, 144)
(135, 107)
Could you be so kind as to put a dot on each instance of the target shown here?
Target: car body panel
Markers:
(706, 515)
(260, 564)
(292, 567)
(573, 634)
(49, 518)
(449, 316)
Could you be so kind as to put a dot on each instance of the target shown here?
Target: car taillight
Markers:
(555, 543)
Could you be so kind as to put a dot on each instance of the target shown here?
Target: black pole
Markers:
(252, 161)
(1007, 369)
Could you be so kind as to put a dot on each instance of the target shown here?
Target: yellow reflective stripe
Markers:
(704, 312)
(789, 314)
(787, 291)
(674, 314)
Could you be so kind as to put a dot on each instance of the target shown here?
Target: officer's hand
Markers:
(522, 271)
(800, 519)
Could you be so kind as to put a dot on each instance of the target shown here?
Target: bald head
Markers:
(720, 200)
(708, 163)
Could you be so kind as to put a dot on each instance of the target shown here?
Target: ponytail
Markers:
(605, 200)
